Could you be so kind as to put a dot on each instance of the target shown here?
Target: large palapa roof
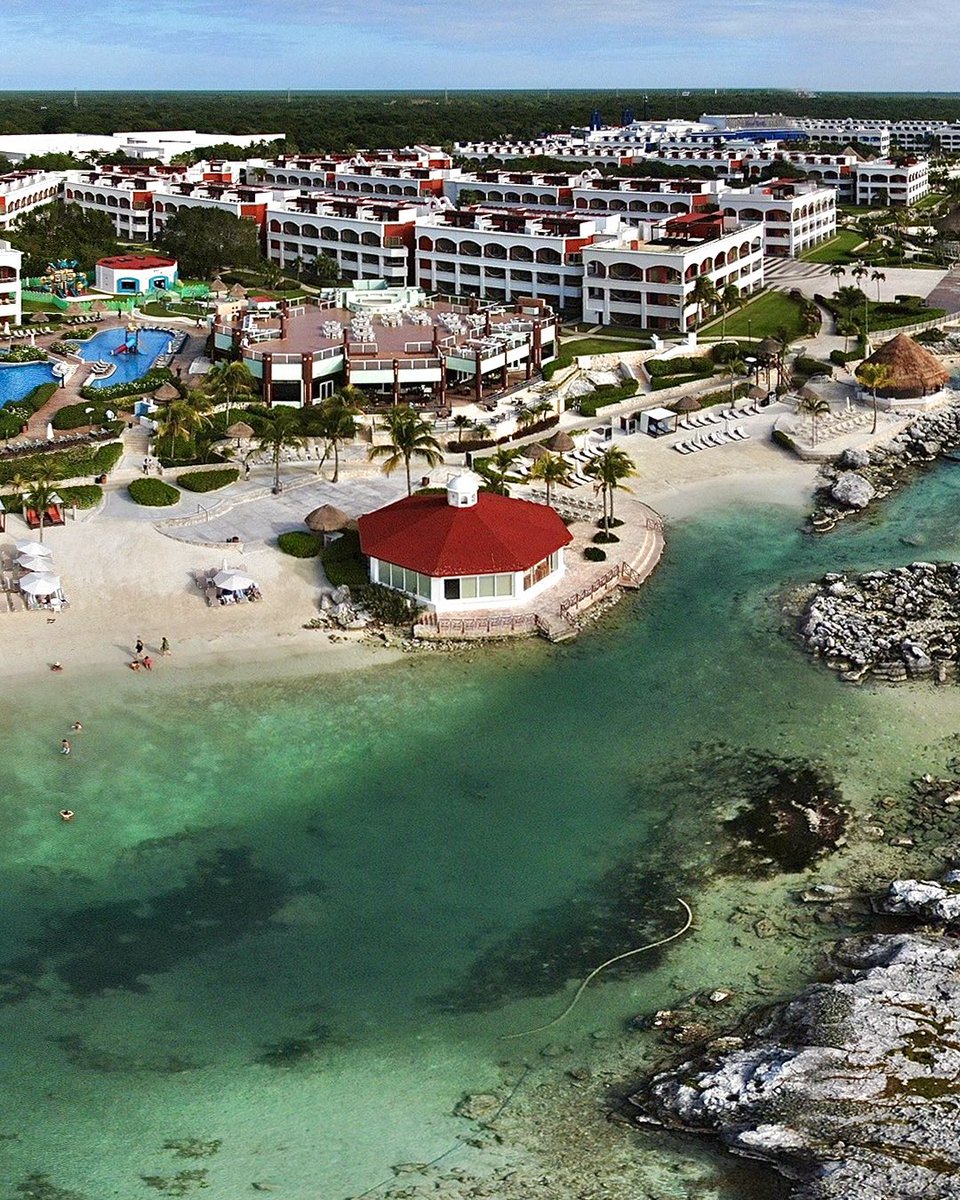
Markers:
(427, 534)
(910, 366)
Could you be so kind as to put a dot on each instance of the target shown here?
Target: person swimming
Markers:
(76, 726)
(66, 814)
(65, 747)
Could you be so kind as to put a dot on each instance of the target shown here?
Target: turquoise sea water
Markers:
(298, 917)
(152, 342)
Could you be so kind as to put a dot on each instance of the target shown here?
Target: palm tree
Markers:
(229, 383)
(877, 277)
(279, 432)
(705, 294)
(181, 419)
(873, 376)
(39, 497)
(838, 271)
(460, 423)
(496, 468)
(550, 469)
(410, 437)
(733, 370)
(481, 429)
(609, 469)
(334, 421)
(730, 298)
(525, 416)
(814, 407)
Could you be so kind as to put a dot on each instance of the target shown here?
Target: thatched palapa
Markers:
(327, 519)
(912, 370)
(560, 443)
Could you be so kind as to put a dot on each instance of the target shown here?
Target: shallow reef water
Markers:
(296, 919)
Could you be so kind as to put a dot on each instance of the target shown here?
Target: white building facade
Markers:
(10, 264)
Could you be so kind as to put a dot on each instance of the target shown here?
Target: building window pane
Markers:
(504, 585)
(468, 587)
(486, 586)
(451, 589)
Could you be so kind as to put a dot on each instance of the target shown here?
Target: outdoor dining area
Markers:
(29, 579)
(227, 586)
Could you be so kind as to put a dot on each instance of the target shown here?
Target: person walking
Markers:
(164, 646)
(139, 647)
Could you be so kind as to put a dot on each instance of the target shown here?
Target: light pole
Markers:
(751, 363)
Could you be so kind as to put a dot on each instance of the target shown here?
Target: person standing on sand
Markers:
(164, 646)
(139, 647)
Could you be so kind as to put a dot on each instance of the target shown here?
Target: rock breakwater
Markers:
(894, 625)
(864, 476)
(852, 1088)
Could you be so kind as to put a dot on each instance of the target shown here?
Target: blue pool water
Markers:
(17, 381)
(153, 342)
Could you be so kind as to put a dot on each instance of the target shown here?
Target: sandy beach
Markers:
(125, 579)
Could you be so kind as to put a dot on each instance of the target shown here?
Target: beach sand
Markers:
(125, 580)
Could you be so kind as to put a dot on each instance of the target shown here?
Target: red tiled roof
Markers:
(135, 262)
(424, 533)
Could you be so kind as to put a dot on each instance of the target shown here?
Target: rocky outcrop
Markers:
(896, 625)
(852, 1088)
(852, 490)
(882, 467)
(923, 899)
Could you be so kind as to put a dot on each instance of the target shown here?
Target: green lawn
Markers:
(838, 250)
(573, 347)
(762, 318)
(930, 200)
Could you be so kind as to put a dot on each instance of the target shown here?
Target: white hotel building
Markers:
(891, 183)
(499, 255)
(10, 263)
(368, 239)
(646, 277)
(23, 191)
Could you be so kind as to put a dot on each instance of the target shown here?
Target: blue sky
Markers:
(851, 45)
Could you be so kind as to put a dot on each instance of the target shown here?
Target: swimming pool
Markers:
(152, 342)
(18, 381)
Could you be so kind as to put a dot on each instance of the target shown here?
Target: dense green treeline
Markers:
(339, 121)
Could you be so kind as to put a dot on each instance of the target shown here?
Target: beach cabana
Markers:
(657, 421)
(560, 443)
(166, 393)
(912, 371)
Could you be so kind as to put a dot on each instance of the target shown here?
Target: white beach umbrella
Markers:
(232, 581)
(36, 548)
(34, 562)
(39, 583)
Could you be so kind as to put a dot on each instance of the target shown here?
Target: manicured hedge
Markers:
(135, 387)
(595, 554)
(298, 544)
(343, 562)
(610, 393)
(18, 412)
(153, 493)
(24, 354)
(682, 365)
(74, 416)
(63, 464)
(82, 495)
(208, 481)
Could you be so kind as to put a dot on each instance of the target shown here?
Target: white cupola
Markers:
(462, 490)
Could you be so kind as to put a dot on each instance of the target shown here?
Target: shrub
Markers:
(24, 354)
(681, 365)
(595, 554)
(605, 538)
(82, 495)
(208, 481)
(386, 605)
(36, 399)
(838, 358)
(134, 387)
(73, 416)
(153, 492)
(806, 368)
(63, 464)
(299, 544)
(662, 382)
(613, 523)
(343, 562)
(610, 393)
(723, 395)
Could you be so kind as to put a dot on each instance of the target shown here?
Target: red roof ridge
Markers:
(425, 533)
